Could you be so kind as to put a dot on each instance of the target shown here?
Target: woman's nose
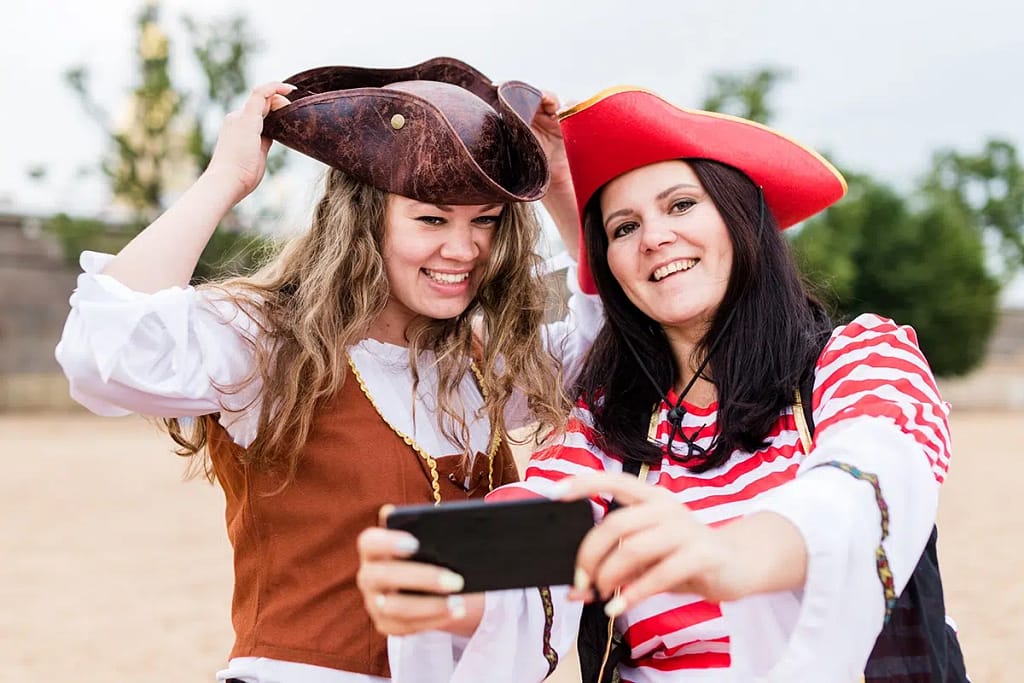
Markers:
(656, 234)
(459, 244)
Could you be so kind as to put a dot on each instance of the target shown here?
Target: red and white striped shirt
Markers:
(870, 368)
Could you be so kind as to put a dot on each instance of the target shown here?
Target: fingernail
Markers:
(293, 87)
(577, 596)
(407, 545)
(456, 606)
(451, 582)
(380, 601)
(615, 607)
(581, 580)
(560, 489)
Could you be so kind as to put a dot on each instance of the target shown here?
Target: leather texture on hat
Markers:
(439, 132)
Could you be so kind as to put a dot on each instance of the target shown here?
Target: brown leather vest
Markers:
(295, 596)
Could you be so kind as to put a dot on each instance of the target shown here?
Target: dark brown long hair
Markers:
(770, 345)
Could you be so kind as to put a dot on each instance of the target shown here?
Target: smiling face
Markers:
(668, 246)
(434, 257)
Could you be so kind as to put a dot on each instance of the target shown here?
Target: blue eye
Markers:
(487, 220)
(431, 220)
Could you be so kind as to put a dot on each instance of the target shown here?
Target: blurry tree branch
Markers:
(747, 94)
(159, 144)
(989, 187)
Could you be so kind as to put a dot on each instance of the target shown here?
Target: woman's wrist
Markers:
(766, 553)
(561, 178)
(224, 182)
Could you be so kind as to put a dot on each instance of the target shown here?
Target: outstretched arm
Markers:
(655, 545)
(165, 253)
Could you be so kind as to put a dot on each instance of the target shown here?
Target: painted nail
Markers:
(406, 545)
(615, 606)
(581, 580)
(293, 87)
(456, 606)
(450, 582)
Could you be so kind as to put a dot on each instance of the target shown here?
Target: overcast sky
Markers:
(877, 84)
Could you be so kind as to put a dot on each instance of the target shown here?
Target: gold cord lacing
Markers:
(435, 484)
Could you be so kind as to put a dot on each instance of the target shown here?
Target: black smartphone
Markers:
(499, 545)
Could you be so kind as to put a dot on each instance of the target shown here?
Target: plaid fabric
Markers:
(917, 645)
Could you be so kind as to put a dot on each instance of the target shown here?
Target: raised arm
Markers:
(166, 253)
(560, 200)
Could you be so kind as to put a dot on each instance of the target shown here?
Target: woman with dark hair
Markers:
(763, 308)
(735, 544)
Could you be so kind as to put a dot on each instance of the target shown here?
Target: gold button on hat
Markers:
(397, 121)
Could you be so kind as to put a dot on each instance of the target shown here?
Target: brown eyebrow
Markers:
(448, 209)
(661, 195)
(615, 214)
(422, 206)
(665, 193)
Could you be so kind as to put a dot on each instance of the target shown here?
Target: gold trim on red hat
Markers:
(604, 94)
(615, 90)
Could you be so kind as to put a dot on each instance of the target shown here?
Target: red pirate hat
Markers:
(440, 131)
(624, 128)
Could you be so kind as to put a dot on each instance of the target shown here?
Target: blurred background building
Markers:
(39, 279)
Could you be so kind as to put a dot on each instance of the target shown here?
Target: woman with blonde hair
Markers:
(379, 357)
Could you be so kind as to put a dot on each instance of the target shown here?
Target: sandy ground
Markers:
(112, 569)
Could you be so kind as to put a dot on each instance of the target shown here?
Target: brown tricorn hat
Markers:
(439, 132)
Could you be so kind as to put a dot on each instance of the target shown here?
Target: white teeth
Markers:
(674, 267)
(446, 278)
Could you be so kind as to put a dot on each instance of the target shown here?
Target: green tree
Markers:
(143, 147)
(222, 49)
(989, 187)
(826, 247)
(164, 142)
(745, 94)
(921, 266)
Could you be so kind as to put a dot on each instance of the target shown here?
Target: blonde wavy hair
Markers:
(322, 291)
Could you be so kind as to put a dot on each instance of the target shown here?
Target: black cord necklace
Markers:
(677, 411)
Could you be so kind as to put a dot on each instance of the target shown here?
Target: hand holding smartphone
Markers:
(500, 545)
